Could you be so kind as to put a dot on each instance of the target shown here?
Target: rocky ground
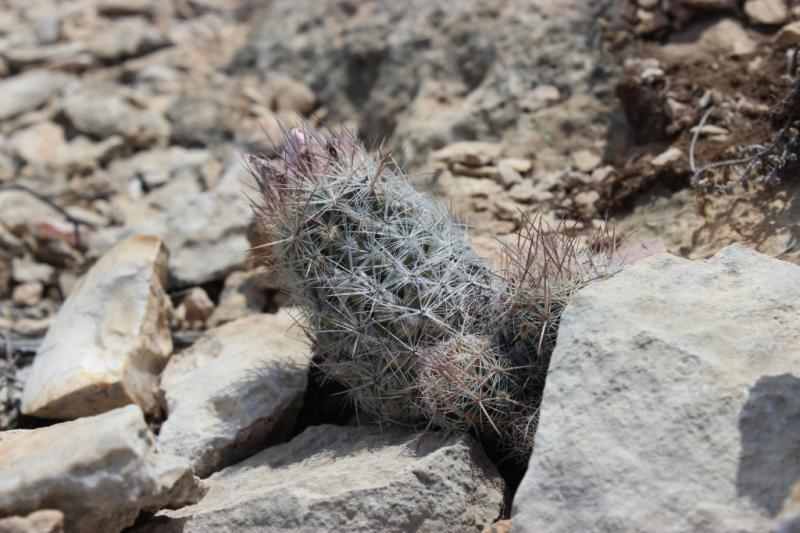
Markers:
(150, 375)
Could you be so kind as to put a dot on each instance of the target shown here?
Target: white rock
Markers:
(43, 521)
(195, 308)
(241, 296)
(206, 235)
(42, 143)
(99, 471)
(586, 160)
(670, 156)
(109, 340)
(789, 35)
(238, 385)
(28, 91)
(672, 401)
(332, 478)
(475, 153)
(99, 112)
(126, 38)
(766, 11)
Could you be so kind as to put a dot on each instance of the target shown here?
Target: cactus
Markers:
(379, 269)
(399, 310)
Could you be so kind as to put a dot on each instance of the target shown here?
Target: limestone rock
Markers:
(100, 112)
(194, 308)
(472, 153)
(44, 521)
(291, 95)
(109, 340)
(789, 35)
(206, 235)
(126, 38)
(238, 385)
(672, 402)
(98, 471)
(241, 296)
(766, 11)
(586, 160)
(332, 478)
(28, 91)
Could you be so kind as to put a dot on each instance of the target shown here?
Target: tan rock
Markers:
(241, 296)
(475, 153)
(109, 340)
(44, 521)
(458, 186)
(99, 471)
(29, 293)
(291, 95)
(195, 308)
(238, 385)
(28, 91)
(766, 11)
(789, 35)
(586, 160)
(669, 157)
(722, 38)
(334, 478)
(42, 143)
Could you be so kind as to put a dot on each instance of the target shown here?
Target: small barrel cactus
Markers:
(398, 308)
(380, 269)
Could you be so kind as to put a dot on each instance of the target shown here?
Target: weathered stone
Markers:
(110, 339)
(766, 11)
(28, 91)
(194, 308)
(241, 296)
(668, 157)
(789, 35)
(44, 521)
(206, 235)
(155, 167)
(26, 270)
(672, 400)
(473, 153)
(126, 38)
(99, 112)
(42, 143)
(291, 95)
(586, 160)
(98, 471)
(720, 38)
(236, 387)
(458, 186)
(336, 478)
(200, 120)
(29, 293)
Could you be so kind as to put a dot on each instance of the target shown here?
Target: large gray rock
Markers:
(238, 385)
(110, 340)
(672, 401)
(332, 478)
(28, 91)
(99, 471)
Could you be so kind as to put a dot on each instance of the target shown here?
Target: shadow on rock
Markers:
(770, 430)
